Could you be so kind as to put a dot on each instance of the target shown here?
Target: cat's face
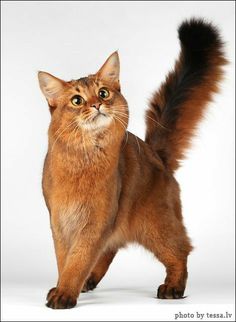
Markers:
(91, 104)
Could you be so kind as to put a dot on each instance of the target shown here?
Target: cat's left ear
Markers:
(110, 70)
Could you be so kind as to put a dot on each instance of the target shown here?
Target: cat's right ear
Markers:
(51, 86)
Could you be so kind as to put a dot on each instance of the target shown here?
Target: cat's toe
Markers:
(51, 292)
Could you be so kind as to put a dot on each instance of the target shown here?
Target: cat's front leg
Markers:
(84, 251)
(60, 246)
(61, 251)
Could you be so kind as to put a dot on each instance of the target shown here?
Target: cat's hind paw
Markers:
(168, 292)
(89, 285)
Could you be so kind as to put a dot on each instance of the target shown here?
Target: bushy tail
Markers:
(177, 107)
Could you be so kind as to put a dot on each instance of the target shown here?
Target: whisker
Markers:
(84, 146)
(121, 114)
(158, 123)
(127, 137)
(121, 121)
(77, 130)
(121, 105)
(126, 132)
(91, 117)
(115, 118)
(75, 121)
(137, 143)
(68, 142)
(120, 111)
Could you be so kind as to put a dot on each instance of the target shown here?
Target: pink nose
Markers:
(96, 105)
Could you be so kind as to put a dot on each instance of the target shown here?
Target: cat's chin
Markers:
(98, 123)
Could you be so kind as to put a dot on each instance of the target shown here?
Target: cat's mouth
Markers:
(99, 120)
(99, 114)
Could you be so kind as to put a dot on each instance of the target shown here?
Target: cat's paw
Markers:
(169, 292)
(59, 299)
(89, 285)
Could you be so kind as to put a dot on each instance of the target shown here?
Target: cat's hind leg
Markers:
(165, 236)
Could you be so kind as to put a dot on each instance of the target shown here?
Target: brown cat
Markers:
(104, 187)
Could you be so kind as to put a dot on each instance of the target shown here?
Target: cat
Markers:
(103, 186)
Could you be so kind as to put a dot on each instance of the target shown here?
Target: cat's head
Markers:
(90, 104)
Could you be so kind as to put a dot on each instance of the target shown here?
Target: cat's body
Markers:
(104, 187)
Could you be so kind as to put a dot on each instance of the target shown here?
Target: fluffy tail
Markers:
(177, 107)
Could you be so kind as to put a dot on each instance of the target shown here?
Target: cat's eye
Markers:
(77, 100)
(104, 93)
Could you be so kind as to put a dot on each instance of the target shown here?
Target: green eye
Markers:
(104, 93)
(77, 100)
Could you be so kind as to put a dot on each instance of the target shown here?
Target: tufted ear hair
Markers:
(50, 85)
(110, 70)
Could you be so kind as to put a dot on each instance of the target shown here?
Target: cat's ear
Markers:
(110, 70)
(51, 86)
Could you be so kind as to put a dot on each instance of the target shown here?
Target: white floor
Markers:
(26, 303)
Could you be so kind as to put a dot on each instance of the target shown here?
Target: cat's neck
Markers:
(94, 153)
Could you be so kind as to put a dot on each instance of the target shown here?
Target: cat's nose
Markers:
(96, 105)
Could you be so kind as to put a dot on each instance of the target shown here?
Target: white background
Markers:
(71, 40)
